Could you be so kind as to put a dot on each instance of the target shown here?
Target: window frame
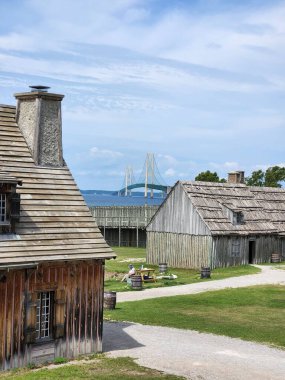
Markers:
(235, 252)
(3, 209)
(238, 218)
(9, 207)
(42, 311)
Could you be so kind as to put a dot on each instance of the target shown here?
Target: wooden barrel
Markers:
(136, 282)
(275, 257)
(205, 272)
(162, 267)
(110, 299)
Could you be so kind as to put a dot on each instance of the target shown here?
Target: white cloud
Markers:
(115, 173)
(17, 42)
(161, 75)
(104, 153)
(88, 173)
(183, 175)
(170, 160)
(142, 77)
(225, 165)
(170, 172)
(264, 167)
(176, 35)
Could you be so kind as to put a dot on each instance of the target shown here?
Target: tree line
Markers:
(271, 177)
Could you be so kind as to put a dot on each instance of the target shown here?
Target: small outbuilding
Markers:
(217, 225)
(52, 253)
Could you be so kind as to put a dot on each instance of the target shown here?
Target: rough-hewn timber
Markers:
(178, 250)
(77, 320)
(123, 216)
(195, 210)
(123, 225)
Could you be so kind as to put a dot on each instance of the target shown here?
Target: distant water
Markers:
(114, 200)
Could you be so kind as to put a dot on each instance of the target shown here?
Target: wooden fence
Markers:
(124, 225)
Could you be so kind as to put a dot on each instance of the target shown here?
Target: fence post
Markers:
(137, 232)
(119, 231)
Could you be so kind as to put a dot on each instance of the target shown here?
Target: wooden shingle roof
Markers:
(55, 222)
(263, 208)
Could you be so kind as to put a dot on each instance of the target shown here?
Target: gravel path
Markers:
(268, 275)
(197, 356)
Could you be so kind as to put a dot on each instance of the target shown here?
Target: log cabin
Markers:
(218, 225)
(52, 253)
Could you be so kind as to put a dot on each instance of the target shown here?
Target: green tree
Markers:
(256, 178)
(209, 177)
(271, 177)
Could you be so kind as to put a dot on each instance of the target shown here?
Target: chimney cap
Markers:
(39, 88)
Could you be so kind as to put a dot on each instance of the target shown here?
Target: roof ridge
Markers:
(7, 106)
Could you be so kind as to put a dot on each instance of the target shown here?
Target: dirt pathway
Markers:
(268, 275)
(197, 356)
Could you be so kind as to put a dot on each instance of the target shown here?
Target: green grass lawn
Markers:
(115, 269)
(100, 369)
(254, 313)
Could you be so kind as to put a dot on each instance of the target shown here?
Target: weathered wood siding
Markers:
(123, 216)
(265, 246)
(283, 248)
(78, 289)
(178, 215)
(124, 237)
(123, 225)
(178, 250)
(55, 222)
(191, 251)
(223, 250)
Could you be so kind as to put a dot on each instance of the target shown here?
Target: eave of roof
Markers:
(55, 222)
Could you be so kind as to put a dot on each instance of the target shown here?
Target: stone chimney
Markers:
(39, 118)
(236, 177)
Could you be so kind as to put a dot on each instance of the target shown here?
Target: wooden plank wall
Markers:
(177, 214)
(282, 248)
(12, 348)
(191, 251)
(82, 287)
(222, 250)
(178, 250)
(124, 237)
(265, 246)
(123, 216)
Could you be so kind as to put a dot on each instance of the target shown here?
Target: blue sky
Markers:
(199, 83)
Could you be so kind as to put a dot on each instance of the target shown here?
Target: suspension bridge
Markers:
(149, 179)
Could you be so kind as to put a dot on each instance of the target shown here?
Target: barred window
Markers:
(44, 315)
(236, 248)
(3, 208)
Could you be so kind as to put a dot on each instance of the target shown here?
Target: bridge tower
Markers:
(129, 180)
(149, 173)
(149, 179)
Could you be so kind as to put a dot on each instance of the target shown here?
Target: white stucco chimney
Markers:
(39, 118)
